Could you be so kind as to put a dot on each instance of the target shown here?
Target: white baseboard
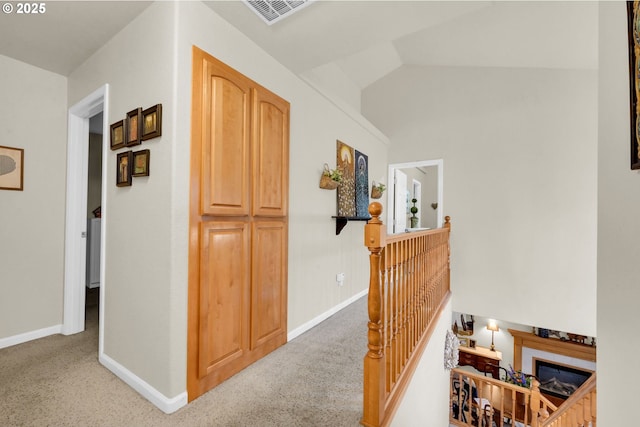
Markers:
(164, 403)
(29, 336)
(324, 316)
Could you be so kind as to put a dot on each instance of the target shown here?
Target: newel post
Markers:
(374, 361)
(534, 403)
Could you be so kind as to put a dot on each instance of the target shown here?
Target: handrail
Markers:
(477, 400)
(408, 289)
(578, 410)
(485, 401)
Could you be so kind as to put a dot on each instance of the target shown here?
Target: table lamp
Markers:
(493, 327)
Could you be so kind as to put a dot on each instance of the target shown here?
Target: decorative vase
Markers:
(414, 222)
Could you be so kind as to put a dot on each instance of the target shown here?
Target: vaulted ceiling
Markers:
(364, 40)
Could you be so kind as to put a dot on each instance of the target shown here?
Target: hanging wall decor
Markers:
(133, 127)
(117, 135)
(11, 168)
(362, 184)
(152, 122)
(141, 163)
(345, 161)
(123, 171)
(633, 31)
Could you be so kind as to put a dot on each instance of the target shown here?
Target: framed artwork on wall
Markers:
(123, 171)
(141, 163)
(152, 122)
(11, 168)
(117, 135)
(633, 31)
(345, 159)
(133, 127)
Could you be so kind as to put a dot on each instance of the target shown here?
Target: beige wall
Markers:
(519, 149)
(618, 225)
(138, 64)
(316, 254)
(426, 401)
(147, 224)
(33, 116)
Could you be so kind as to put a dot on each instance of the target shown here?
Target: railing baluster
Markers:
(408, 288)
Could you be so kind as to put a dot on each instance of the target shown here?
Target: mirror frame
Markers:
(439, 163)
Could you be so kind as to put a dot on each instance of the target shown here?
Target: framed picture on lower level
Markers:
(123, 172)
(141, 163)
(11, 168)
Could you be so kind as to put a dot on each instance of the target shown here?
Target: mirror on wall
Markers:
(415, 196)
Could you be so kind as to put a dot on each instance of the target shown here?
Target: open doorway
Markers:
(421, 181)
(94, 219)
(80, 209)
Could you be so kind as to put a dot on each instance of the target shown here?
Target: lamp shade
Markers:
(493, 326)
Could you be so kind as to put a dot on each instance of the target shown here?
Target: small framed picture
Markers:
(141, 163)
(464, 342)
(123, 172)
(117, 135)
(152, 122)
(472, 343)
(11, 168)
(133, 127)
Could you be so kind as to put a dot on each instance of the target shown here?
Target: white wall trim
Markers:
(164, 403)
(439, 163)
(324, 316)
(76, 206)
(29, 336)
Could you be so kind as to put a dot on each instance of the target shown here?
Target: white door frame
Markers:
(424, 163)
(75, 248)
(417, 194)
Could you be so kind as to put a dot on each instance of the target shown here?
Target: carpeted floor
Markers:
(314, 380)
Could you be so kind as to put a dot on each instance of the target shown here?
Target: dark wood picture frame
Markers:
(123, 169)
(151, 122)
(11, 168)
(117, 135)
(141, 160)
(133, 126)
(633, 31)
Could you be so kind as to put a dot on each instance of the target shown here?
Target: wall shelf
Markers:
(341, 221)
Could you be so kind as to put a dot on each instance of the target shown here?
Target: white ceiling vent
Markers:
(274, 10)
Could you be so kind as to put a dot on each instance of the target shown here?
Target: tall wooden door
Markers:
(238, 223)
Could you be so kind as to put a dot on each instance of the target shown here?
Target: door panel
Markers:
(270, 155)
(269, 282)
(400, 208)
(237, 305)
(225, 149)
(224, 292)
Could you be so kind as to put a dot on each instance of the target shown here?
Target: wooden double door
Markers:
(238, 223)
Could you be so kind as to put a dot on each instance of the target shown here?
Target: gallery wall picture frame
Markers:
(11, 168)
(152, 122)
(633, 32)
(133, 126)
(141, 161)
(123, 169)
(117, 135)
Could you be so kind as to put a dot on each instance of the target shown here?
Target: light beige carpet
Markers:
(314, 380)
